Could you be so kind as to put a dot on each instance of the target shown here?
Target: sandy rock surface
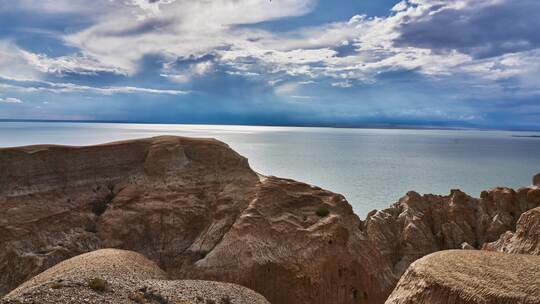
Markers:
(470, 277)
(119, 276)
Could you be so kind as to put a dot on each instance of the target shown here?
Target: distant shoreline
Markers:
(359, 126)
(527, 136)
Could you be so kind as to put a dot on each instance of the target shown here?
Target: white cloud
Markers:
(13, 63)
(182, 75)
(76, 64)
(127, 31)
(10, 100)
(24, 85)
(178, 29)
(302, 97)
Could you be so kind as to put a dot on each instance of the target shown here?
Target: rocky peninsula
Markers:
(195, 218)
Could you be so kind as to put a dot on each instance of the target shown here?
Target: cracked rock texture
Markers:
(196, 208)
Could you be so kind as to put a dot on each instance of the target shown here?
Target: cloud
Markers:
(480, 28)
(13, 63)
(63, 65)
(301, 97)
(29, 86)
(10, 100)
(175, 29)
(479, 40)
(182, 74)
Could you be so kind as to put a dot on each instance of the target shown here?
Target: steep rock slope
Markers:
(119, 276)
(470, 277)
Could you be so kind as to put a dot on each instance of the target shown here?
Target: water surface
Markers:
(372, 168)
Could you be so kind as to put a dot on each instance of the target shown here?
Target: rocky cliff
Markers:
(419, 225)
(192, 206)
(196, 208)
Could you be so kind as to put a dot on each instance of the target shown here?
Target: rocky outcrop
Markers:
(419, 225)
(197, 209)
(119, 276)
(526, 238)
(470, 277)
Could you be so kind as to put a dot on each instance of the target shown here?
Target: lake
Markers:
(373, 168)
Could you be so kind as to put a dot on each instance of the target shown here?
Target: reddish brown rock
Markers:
(192, 206)
(197, 209)
(470, 277)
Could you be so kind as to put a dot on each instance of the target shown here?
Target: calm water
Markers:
(372, 168)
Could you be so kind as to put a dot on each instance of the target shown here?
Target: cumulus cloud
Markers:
(436, 38)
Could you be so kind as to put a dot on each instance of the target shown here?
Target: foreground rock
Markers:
(196, 208)
(119, 276)
(470, 277)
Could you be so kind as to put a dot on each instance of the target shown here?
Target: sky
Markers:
(428, 63)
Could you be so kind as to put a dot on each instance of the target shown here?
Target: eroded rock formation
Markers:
(197, 209)
(119, 276)
(192, 206)
(419, 225)
(526, 238)
(470, 277)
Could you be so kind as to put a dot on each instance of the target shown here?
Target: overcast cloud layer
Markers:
(450, 63)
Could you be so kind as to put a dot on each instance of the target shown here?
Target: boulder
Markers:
(470, 277)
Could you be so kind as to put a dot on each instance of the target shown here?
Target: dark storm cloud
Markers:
(480, 31)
